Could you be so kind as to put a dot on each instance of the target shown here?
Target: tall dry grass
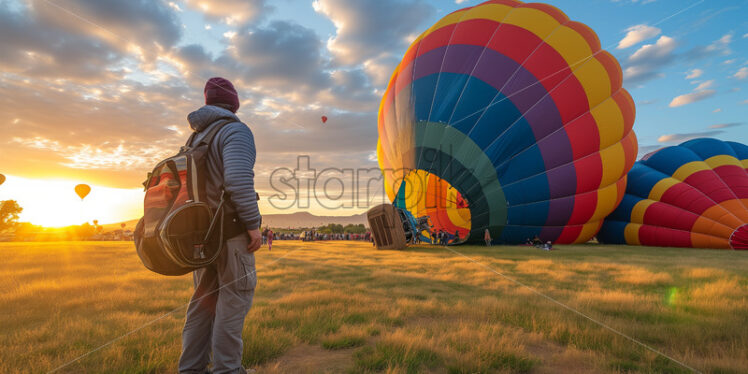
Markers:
(345, 307)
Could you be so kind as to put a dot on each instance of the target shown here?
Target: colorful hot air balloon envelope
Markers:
(691, 195)
(122, 225)
(324, 119)
(2, 179)
(82, 190)
(508, 117)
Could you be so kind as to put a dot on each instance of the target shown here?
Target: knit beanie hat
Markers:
(220, 92)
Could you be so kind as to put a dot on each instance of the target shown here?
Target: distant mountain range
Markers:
(305, 219)
(292, 220)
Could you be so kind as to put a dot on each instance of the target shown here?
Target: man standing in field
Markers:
(224, 290)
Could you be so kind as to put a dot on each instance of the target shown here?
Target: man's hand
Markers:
(255, 240)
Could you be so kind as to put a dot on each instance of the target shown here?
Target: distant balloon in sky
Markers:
(2, 179)
(691, 195)
(508, 117)
(324, 119)
(82, 190)
(122, 225)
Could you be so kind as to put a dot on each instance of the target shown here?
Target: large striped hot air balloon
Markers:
(507, 116)
(691, 195)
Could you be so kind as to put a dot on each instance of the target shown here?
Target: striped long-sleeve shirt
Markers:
(230, 163)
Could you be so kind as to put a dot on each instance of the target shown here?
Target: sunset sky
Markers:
(96, 92)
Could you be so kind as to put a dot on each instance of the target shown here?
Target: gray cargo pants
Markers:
(215, 316)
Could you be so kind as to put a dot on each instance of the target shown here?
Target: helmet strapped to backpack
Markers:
(180, 232)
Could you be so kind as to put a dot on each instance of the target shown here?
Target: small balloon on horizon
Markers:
(324, 119)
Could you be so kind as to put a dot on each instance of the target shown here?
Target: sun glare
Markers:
(53, 203)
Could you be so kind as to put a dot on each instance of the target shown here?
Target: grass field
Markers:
(342, 307)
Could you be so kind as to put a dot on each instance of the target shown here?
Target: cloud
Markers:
(712, 130)
(42, 40)
(380, 69)
(701, 92)
(175, 6)
(232, 12)
(644, 64)
(193, 57)
(661, 49)
(679, 138)
(725, 125)
(351, 89)
(33, 48)
(283, 57)
(282, 63)
(691, 98)
(107, 155)
(367, 29)
(637, 34)
(148, 27)
(287, 61)
(704, 85)
(694, 73)
(719, 47)
(107, 133)
(741, 74)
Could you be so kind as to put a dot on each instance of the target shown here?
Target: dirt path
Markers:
(308, 359)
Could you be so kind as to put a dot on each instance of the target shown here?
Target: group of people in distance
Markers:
(310, 235)
(440, 237)
(538, 243)
(315, 235)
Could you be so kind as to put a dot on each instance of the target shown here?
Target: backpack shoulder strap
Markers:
(190, 139)
(208, 138)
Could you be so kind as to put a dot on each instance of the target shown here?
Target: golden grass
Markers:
(343, 307)
(639, 276)
(701, 273)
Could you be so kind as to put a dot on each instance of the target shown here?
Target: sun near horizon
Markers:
(54, 203)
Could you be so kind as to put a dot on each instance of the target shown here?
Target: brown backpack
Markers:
(180, 232)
